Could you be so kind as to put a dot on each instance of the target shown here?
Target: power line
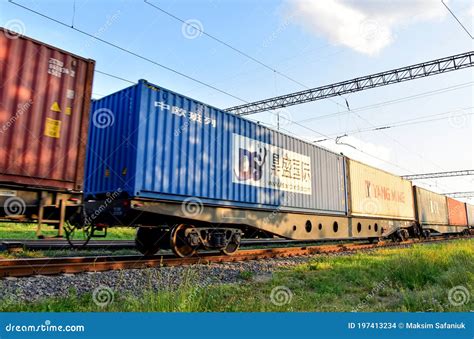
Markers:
(402, 123)
(461, 194)
(115, 76)
(202, 31)
(394, 101)
(438, 175)
(171, 70)
(459, 22)
(412, 72)
(289, 132)
(410, 149)
(128, 51)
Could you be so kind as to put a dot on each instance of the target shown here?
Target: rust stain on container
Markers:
(44, 111)
(456, 212)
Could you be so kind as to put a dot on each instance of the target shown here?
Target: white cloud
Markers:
(366, 26)
(372, 154)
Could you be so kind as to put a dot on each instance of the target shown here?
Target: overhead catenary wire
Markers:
(291, 133)
(407, 122)
(428, 68)
(393, 101)
(459, 21)
(128, 51)
(228, 45)
(171, 70)
(115, 76)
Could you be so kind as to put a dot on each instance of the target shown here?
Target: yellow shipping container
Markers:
(376, 193)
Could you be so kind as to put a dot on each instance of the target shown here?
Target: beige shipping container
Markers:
(431, 207)
(470, 215)
(376, 193)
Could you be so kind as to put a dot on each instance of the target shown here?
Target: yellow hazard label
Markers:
(68, 111)
(52, 128)
(124, 171)
(107, 172)
(55, 107)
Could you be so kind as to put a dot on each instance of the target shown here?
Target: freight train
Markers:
(187, 175)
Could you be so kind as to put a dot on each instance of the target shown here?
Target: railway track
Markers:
(60, 244)
(50, 266)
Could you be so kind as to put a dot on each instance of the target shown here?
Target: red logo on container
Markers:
(383, 192)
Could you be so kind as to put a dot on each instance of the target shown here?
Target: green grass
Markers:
(28, 231)
(413, 279)
(66, 253)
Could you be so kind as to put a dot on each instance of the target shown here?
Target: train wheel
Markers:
(149, 240)
(231, 248)
(404, 235)
(179, 242)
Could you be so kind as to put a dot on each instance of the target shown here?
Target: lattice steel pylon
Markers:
(406, 73)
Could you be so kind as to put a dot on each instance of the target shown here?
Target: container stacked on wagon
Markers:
(44, 112)
(187, 175)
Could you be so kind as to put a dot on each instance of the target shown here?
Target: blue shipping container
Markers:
(154, 143)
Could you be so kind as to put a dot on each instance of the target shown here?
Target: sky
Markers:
(298, 44)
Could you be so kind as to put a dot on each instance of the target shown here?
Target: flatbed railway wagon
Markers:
(44, 112)
(191, 176)
(195, 176)
(381, 204)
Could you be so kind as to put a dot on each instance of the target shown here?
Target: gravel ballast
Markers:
(135, 281)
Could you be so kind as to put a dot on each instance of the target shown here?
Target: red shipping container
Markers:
(457, 212)
(45, 97)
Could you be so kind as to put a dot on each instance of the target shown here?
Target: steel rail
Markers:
(51, 266)
(61, 244)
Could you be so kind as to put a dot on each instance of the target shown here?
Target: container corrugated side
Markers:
(431, 207)
(376, 193)
(456, 212)
(44, 111)
(470, 214)
(183, 148)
